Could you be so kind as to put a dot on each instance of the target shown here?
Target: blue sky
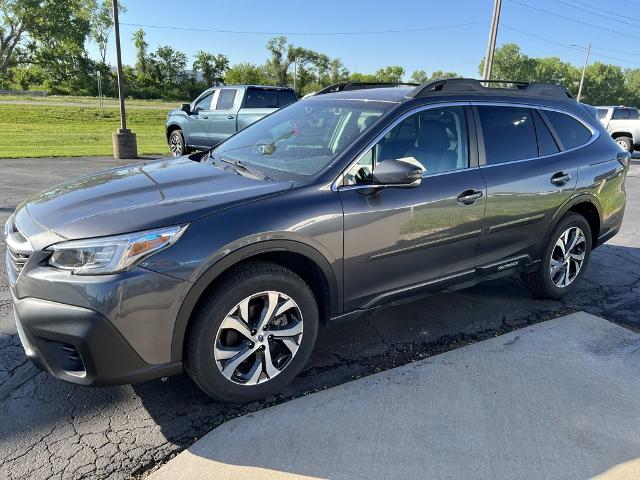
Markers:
(458, 46)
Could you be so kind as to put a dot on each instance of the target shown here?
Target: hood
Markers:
(143, 196)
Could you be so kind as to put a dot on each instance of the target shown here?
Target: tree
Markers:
(101, 25)
(632, 85)
(247, 73)
(279, 63)
(141, 47)
(212, 67)
(16, 17)
(604, 85)
(419, 76)
(44, 30)
(169, 65)
(391, 74)
(509, 63)
(554, 70)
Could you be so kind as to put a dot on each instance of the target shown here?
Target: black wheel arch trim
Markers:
(213, 272)
(171, 127)
(583, 197)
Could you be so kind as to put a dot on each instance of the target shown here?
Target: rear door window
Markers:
(546, 143)
(571, 132)
(226, 99)
(509, 134)
(256, 98)
(620, 114)
(286, 97)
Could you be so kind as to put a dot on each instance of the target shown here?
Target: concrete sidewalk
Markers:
(555, 400)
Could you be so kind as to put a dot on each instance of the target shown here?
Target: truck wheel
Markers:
(625, 143)
(253, 335)
(177, 143)
(564, 261)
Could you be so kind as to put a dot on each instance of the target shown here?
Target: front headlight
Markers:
(100, 256)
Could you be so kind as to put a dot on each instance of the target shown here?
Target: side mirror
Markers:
(397, 173)
(186, 108)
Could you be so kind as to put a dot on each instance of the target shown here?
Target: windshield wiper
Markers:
(239, 167)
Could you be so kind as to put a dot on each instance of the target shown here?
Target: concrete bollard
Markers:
(125, 145)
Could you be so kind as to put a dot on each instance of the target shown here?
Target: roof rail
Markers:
(471, 85)
(347, 86)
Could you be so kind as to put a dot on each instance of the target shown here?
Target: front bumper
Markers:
(80, 345)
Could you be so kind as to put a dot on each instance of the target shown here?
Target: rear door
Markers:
(398, 241)
(220, 121)
(529, 173)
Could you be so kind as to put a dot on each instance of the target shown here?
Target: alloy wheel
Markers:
(622, 144)
(258, 338)
(567, 257)
(175, 145)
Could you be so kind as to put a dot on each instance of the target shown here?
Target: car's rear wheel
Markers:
(565, 259)
(177, 144)
(625, 143)
(253, 335)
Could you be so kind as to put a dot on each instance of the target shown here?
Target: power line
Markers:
(599, 27)
(602, 15)
(608, 12)
(508, 27)
(249, 32)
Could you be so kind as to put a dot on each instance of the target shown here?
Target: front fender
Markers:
(232, 258)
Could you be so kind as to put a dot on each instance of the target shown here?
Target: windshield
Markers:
(299, 141)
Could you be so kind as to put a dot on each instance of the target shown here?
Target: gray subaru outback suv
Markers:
(226, 263)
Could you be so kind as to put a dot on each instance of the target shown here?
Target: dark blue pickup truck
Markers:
(220, 112)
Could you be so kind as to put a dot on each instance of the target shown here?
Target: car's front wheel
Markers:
(254, 333)
(565, 259)
(177, 144)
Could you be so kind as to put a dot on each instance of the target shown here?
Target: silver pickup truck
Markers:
(623, 124)
(220, 112)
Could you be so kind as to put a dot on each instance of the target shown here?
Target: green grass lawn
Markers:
(88, 101)
(61, 131)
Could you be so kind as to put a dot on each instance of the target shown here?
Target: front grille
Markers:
(19, 250)
(17, 260)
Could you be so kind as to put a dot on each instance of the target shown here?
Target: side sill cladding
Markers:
(209, 276)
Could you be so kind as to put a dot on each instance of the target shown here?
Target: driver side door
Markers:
(195, 129)
(400, 240)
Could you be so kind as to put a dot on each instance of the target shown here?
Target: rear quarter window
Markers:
(571, 132)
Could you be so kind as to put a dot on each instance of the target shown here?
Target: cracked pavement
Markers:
(53, 429)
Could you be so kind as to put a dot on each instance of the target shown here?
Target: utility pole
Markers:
(295, 73)
(584, 68)
(491, 46)
(124, 140)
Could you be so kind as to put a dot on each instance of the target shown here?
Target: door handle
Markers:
(560, 178)
(231, 117)
(469, 197)
(204, 117)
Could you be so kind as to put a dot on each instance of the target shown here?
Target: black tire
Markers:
(177, 145)
(240, 283)
(540, 281)
(625, 143)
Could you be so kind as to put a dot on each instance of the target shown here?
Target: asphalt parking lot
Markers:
(52, 429)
